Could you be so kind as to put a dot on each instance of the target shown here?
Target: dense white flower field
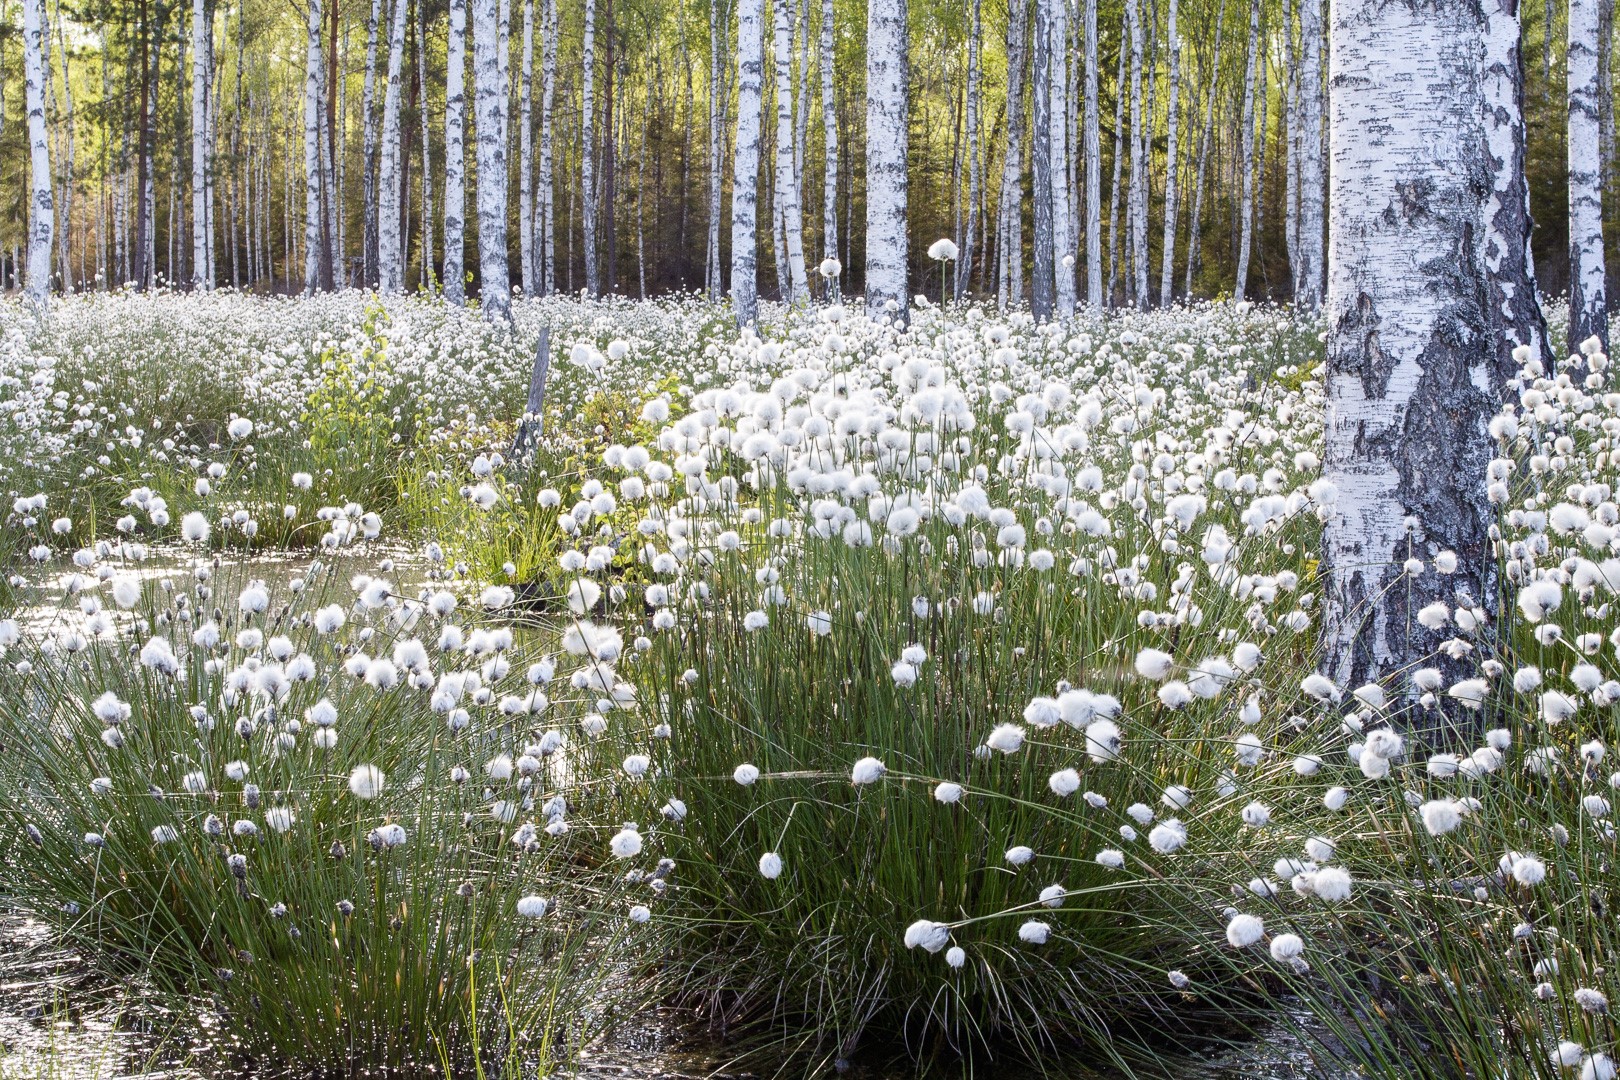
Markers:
(872, 692)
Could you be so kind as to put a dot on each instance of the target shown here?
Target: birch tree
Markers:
(587, 151)
(41, 212)
(489, 110)
(1195, 225)
(1094, 278)
(1141, 145)
(745, 161)
(1588, 306)
(787, 180)
(314, 211)
(716, 121)
(548, 197)
(1412, 373)
(1507, 214)
(1172, 179)
(829, 139)
(202, 223)
(964, 264)
(368, 144)
(1240, 286)
(887, 134)
(455, 155)
(390, 258)
(1010, 227)
(1057, 113)
(526, 154)
(1309, 241)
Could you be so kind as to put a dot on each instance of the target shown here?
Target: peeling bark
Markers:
(1588, 304)
(887, 132)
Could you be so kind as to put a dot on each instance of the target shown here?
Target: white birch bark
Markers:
(314, 220)
(428, 267)
(787, 180)
(887, 134)
(455, 155)
(1120, 153)
(526, 155)
(1042, 279)
(1139, 172)
(368, 148)
(1507, 213)
(1093, 137)
(1412, 375)
(1588, 306)
(390, 259)
(745, 161)
(1172, 166)
(716, 121)
(829, 139)
(548, 195)
(1246, 165)
(587, 151)
(41, 215)
(201, 37)
(1009, 206)
(489, 110)
(1057, 118)
(969, 235)
(1309, 242)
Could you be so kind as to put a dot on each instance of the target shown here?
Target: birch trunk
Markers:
(489, 109)
(1309, 242)
(587, 151)
(787, 180)
(716, 120)
(745, 161)
(201, 36)
(1114, 192)
(526, 155)
(368, 148)
(390, 259)
(1412, 372)
(314, 212)
(41, 215)
(1141, 146)
(548, 194)
(1507, 213)
(887, 133)
(1093, 136)
(829, 140)
(1042, 280)
(455, 155)
(964, 263)
(1246, 224)
(1588, 306)
(1057, 116)
(1172, 163)
(1010, 209)
(427, 265)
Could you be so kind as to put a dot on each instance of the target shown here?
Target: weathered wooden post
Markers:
(530, 426)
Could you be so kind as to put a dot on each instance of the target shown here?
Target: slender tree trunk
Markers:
(829, 139)
(1413, 375)
(887, 135)
(1240, 285)
(969, 235)
(745, 163)
(489, 105)
(455, 155)
(41, 211)
(1290, 52)
(368, 151)
(143, 156)
(1010, 205)
(314, 214)
(427, 264)
(1094, 273)
(1141, 146)
(548, 195)
(1043, 277)
(610, 176)
(1172, 182)
(531, 285)
(390, 256)
(1057, 116)
(1119, 155)
(1308, 274)
(1588, 305)
(587, 148)
(787, 181)
(1507, 213)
